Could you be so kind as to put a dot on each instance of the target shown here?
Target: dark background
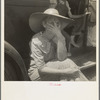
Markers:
(17, 30)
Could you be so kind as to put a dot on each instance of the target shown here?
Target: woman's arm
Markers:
(70, 13)
(75, 16)
(59, 39)
(61, 46)
(61, 49)
(51, 70)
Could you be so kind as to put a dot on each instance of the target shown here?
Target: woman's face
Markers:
(52, 21)
(51, 25)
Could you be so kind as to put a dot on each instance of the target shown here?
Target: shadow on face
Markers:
(51, 20)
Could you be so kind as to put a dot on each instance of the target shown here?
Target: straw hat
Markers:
(35, 20)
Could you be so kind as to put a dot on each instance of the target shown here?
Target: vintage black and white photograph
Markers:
(50, 40)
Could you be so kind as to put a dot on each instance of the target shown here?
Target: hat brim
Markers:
(35, 21)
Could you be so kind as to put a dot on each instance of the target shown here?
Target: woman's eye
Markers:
(57, 23)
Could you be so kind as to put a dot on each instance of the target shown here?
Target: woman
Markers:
(48, 48)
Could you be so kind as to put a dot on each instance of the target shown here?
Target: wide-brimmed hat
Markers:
(35, 20)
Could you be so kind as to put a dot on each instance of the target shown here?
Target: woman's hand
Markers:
(55, 29)
(74, 71)
(71, 71)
